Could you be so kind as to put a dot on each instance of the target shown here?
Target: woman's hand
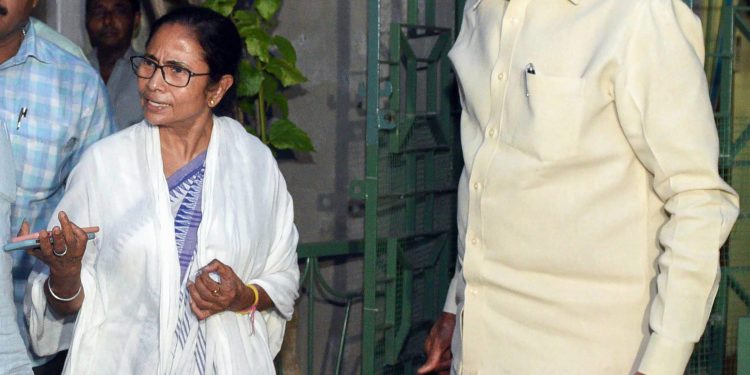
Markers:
(208, 297)
(63, 257)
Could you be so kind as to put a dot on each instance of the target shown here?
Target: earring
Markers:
(211, 103)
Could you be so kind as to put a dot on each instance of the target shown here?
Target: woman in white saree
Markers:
(194, 270)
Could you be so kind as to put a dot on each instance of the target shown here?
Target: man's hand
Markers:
(437, 346)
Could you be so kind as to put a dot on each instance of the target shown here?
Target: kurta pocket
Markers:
(549, 127)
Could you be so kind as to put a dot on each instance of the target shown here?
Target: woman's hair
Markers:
(220, 40)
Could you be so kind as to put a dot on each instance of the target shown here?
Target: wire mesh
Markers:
(417, 178)
(728, 71)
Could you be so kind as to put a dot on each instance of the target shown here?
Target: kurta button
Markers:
(491, 133)
(474, 241)
(477, 186)
(500, 76)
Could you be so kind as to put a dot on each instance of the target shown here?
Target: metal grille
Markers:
(412, 172)
(726, 31)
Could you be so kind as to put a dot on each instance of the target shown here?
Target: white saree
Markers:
(131, 273)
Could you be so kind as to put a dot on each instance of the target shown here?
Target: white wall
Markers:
(65, 16)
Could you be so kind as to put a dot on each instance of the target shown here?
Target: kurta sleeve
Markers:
(455, 295)
(662, 101)
(50, 333)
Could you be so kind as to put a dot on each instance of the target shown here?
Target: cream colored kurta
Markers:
(590, 207)
(131, 274)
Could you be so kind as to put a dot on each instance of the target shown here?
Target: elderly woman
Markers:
(197, 230)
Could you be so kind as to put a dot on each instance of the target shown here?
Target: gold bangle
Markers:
(251, 310)
(255, 293)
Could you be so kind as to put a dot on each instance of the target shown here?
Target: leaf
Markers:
(257, 42)
(280, 102)
(287, 73)
(270, 83)
(273, 96)
(244, 18)
(286, 48)
(267, 8)
(223, 7)
(284, 134)
(247, 105)
(250, 79)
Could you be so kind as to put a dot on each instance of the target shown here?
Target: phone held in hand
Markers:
(31, 241)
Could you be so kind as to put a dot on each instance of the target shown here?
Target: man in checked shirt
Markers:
(53, 106)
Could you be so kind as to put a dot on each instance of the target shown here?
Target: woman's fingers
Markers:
(204, 298)
(45, 247)
(210, 295)
(205, 279)
(58, 245)
(213, 266)
(25, 228)
(75, 237)
(200, 314)
(225, 272)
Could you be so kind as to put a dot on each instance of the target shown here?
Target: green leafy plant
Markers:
(270, 67)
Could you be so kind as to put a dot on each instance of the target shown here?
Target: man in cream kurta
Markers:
(591, 211)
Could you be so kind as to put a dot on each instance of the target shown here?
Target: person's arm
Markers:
(63, 287)
(662, 102)
(229, 293)
(51, 322)
(437, 345)
(13, 357)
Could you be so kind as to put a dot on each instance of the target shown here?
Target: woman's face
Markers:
(167, 105)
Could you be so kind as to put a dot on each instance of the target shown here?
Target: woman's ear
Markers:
(216, 92)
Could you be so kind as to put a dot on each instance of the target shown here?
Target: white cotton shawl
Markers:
(131, 273)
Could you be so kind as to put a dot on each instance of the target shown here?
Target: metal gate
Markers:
(722, 350)
(411, 174)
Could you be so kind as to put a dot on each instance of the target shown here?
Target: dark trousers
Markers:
(53, 367)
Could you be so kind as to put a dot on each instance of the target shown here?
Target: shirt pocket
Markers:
(44, 149)
(550, 125)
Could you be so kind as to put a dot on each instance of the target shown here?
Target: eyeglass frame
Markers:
(191, 74)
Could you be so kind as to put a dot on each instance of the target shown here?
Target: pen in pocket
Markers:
(529, 70)
(21, 115)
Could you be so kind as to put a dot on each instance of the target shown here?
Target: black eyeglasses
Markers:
(174, 75)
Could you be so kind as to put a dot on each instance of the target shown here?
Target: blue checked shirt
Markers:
(66, 110)
(13, 358)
